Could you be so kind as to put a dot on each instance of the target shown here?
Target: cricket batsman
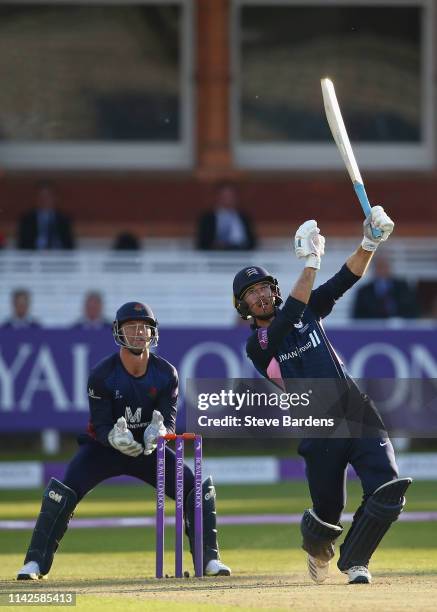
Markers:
(133, 397)
(275, 350)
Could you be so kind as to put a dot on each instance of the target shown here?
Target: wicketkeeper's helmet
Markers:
(134, 311)
(246, 278)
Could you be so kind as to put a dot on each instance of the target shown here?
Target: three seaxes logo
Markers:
(251, 272)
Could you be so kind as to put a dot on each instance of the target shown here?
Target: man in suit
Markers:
(20, 318)
(385, 296)
(45, 227)
(225, 228)
(93, 318)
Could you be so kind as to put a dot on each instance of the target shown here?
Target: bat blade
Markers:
(338, 130)
(340, 135)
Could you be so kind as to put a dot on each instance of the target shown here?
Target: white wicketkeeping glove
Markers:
(380, 220)
(122, 439)
(309, 244)
(153, 431)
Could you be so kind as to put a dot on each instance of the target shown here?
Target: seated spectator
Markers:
(225, 227)
(20, 318)
(45, 227)
(92, 317)
(126, 241)
(385, 296)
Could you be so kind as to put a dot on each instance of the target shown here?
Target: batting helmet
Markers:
(247, 277)
(134, 311)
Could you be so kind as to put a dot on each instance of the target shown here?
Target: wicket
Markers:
(179, 516)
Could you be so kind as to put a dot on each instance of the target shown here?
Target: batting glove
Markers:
(122, 439)
(309, 244)
(153, 431)
(378, 219)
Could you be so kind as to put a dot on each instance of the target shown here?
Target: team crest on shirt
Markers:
(152, 392)
(302, 328)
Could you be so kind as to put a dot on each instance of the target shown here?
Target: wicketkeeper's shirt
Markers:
(114, 393)
(295, 344)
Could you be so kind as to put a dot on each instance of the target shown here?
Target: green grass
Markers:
(112, 569)
(139, 500)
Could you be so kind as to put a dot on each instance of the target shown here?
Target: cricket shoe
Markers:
(216, 568)
(30, 571)
(359, 574)
(317, 569)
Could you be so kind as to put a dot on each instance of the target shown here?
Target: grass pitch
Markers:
(113, 569)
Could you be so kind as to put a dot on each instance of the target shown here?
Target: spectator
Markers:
(20, 318)
(225, 227)
(126, 241)
(92, 318)
(45, 227)
(385, 296)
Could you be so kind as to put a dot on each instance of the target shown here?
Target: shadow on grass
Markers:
(235, 537)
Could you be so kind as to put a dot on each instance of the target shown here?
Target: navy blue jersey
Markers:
(114, 393)
(295, 344)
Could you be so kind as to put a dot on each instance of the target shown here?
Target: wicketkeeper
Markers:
(275, 350)
(133, 400)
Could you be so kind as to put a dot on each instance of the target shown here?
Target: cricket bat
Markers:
(338, 130)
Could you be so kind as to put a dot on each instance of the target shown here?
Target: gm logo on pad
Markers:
(55, 496)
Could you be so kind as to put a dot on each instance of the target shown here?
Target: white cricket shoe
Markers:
(359, 574)
(216, 568)
(30, 571)
(317, 569)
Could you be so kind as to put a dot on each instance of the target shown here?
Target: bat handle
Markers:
(365, 205)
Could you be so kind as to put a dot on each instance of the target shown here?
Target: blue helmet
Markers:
(134, 311)
(245, 278)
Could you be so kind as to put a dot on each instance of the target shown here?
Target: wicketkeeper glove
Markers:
(122, 439)
(309, 244)
(378, 219)
(153, 431)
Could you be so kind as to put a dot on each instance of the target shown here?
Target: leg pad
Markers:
(210, 544)
(371, 524)
(57, 507)
(318, 536)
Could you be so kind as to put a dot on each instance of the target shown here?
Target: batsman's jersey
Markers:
(114, 393)
(295, 344)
